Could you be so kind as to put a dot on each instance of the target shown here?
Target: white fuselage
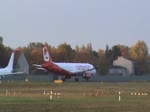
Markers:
(77, 67)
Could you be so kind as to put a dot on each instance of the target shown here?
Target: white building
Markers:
(125, 63)
(117, 70)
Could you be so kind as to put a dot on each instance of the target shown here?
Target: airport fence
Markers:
(96, 78)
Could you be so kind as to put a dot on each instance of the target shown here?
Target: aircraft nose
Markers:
(94, 71)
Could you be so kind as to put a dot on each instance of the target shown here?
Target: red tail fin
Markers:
(46, 55)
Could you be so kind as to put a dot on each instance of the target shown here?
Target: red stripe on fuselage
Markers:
(51, 67)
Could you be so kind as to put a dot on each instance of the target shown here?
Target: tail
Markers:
(46, 55)
(11, 61)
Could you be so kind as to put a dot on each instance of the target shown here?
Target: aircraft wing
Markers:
(22, 72)
(13, 73)
(39, 67)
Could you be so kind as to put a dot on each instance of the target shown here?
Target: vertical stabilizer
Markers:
(11, 61)
(46, 55)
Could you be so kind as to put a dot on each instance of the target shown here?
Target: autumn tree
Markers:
(1, 40)
(83, 54)
(125, 51)
(5, 53)
(116, 51)
(92, 55)
(109, 55)
(33, 53)
(1, 45)
(64, 53)
(104, 60)
(103, 65)
(139, 53)
(5, 56)
(120, 50)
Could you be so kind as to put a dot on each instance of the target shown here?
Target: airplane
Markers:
(8, 70)
(66, 70)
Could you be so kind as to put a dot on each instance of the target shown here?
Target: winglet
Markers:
(46, 55)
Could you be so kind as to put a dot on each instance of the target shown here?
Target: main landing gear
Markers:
(76, 79)
(63, 79)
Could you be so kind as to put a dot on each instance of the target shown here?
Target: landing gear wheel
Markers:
(76, 79)
(63, 78)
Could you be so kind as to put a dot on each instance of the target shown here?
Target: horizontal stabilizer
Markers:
(36, 65)
(41, 69)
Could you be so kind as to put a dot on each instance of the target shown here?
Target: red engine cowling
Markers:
(86, 76)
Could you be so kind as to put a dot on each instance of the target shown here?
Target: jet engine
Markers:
(86, 75)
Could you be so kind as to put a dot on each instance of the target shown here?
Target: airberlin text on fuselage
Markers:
(82, 67)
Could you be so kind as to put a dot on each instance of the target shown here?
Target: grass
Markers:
(29, 97)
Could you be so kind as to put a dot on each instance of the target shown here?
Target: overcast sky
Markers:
(77, 22)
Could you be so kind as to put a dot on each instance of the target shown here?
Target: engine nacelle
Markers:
(86, 76)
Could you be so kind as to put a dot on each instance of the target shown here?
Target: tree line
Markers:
(101, 59)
